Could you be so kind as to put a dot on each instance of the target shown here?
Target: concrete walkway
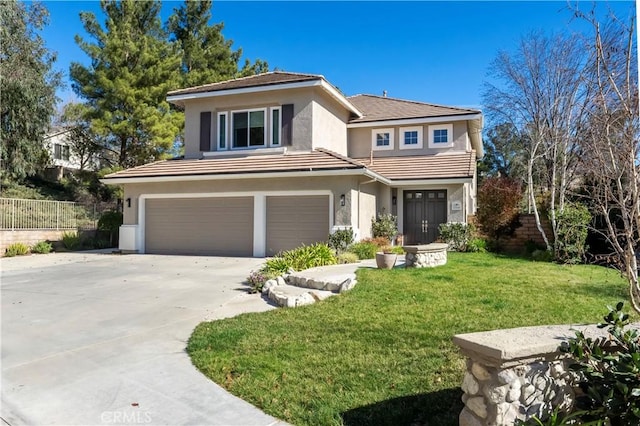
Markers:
(90, 338)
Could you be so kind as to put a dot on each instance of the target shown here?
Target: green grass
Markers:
(382, 353)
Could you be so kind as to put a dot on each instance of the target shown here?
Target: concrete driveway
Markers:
(94, 338)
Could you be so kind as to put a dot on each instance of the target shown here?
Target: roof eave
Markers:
(251, 175)
(416, 120)
(401, 183)
(179, 99)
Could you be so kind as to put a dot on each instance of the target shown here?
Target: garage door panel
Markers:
(203, 226)
(296, 220)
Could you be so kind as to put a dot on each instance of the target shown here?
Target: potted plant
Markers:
(386, 258)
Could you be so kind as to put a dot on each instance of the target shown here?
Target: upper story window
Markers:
(61, 152)
(276, 128)
(441, 136)
(382, 139)
(248, 129)
(222, 130)
(251, 128)
(411, 138)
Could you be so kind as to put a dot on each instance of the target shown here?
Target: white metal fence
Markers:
(38, 214)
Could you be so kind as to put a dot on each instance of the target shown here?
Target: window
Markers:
(248, 129)
(382, 139)
(441, 136)
(276, 128)
(411, 138)
(61, 152)
(222, 130)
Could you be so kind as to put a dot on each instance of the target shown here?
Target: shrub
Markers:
(341, 239)
(542, 256)
(301, 258)
(110, 221)
(71, 241)
(571, 229)
(498, 207)
(17, 249)
(42, 247)
(456, 235)
(378, 241)
(364, 249)
(257, 279)
(347, 257)
(477, 245)
(386, 226)
(95, 243)
(609, 368)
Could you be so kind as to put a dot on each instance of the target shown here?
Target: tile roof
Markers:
(288, 162)
(378, 108)
(441, 166)
(264, 79)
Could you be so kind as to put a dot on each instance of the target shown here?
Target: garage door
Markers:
(296, 220)
(202, 226)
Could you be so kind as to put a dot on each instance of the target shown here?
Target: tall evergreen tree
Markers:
(206, 56)
(28, 86)
(133, 66)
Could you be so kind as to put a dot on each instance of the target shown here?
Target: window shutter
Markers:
(287, 124)
(205, 131)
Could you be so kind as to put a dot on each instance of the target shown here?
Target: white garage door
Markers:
(200, 226)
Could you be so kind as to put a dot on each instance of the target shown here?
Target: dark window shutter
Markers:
(287, 124)
(205, 131)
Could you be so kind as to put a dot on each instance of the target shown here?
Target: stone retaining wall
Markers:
(516, 373)
(28, 237)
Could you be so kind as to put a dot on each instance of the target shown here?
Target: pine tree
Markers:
(206, 56)
(133, 66)
(28, 89)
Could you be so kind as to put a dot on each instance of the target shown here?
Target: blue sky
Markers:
(428, 51)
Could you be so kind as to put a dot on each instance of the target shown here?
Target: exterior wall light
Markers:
(342, 200)
(128, 202)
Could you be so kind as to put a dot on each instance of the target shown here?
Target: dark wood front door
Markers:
(424, 211)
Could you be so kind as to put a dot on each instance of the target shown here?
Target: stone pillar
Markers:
(516, 374)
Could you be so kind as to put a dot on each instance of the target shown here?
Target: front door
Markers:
(424, 211)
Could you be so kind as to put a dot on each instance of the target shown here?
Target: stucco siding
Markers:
(302, 100)
(360, 141)
(329, 125)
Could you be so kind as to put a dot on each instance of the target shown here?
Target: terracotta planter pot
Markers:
(386, 260)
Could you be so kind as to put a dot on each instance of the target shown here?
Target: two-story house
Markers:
(282, 159)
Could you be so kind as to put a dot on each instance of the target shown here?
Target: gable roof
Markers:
(264, 79)
(275, 80)
(379, 108)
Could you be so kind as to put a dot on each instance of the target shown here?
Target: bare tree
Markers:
(611, 141)
(540, 91)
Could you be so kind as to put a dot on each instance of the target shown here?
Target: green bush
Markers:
(42, 247)
(347, 257)
(364, 249)
(477, 245)
(71, 241)
(542, 256)
(385, 225)
(110, 221)
(609, 368)
(456, 235)
(95, 243)
(341, 239)
(301, 258)
(572, 228)
(17, 249)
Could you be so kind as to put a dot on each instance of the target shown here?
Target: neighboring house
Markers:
(60, 149)
(282, 159)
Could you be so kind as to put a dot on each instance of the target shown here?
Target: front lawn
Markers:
(382, 353)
